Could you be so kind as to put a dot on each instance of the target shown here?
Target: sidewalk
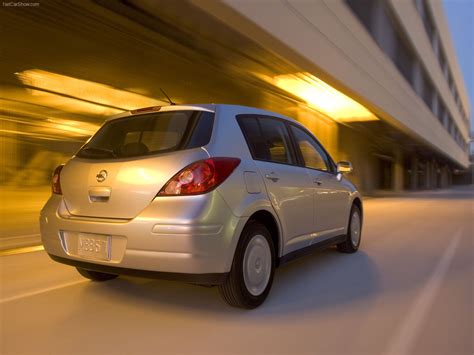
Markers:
(461, 189)
(19, 213)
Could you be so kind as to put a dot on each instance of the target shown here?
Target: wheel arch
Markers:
(270, 222)
(358, 202)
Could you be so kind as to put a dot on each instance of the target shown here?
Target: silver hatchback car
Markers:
(208, 194)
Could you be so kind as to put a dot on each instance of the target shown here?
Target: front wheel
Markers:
(354, 232)
(251, 275)
(95, 275)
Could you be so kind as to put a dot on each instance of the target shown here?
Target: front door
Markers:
(330, 196)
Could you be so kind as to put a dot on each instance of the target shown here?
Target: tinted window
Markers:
(313, 155)
(268, 139)
(150, 134)
(202, 131)
(276, 137)
(253, 135)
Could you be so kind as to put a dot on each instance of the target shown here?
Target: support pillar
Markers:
(397, 181)
(433, 174)
(437, 175)
(428, 174)
(444, 176)
(414, 173)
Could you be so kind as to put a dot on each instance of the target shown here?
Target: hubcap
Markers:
(355, 228)
(257, 265)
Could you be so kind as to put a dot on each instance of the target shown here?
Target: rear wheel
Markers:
(95, 275)
(251, 276)
(354, 231)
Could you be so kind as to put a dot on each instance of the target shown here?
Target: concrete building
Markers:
(396, 58)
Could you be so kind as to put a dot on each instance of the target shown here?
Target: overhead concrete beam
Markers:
(327, 40)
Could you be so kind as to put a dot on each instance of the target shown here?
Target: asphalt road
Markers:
(409, 290)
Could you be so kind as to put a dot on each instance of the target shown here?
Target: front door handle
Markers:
(272, 177)
(317, 182)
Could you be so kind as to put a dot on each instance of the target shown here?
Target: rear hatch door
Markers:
(126, 163)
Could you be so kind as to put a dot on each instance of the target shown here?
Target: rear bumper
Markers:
(202, 279)
(193, 235)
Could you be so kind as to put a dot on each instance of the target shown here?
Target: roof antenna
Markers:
(164, 93)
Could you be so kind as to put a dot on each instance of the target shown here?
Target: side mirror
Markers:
(344, 167)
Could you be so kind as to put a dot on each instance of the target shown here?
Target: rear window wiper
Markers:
(99, 149)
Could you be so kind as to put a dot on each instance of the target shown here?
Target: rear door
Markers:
(287, 184)
(122, 168)
(330, 196)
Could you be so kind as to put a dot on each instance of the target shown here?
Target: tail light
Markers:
(200, 177)
(56, 180)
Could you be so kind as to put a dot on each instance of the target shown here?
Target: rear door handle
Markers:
(317, 182)
(99, 194)
(272, 177)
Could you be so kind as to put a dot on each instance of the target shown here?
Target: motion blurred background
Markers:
(377, 82)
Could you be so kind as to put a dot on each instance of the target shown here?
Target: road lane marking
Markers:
(409, 330)
(43, 290)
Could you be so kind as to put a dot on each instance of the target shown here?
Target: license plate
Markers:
(93, 246)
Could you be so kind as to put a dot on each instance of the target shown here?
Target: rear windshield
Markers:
(148, 134)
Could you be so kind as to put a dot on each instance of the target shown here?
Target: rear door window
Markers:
(267, 139)
(149, 134)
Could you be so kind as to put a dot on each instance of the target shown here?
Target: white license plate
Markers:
(94, 246)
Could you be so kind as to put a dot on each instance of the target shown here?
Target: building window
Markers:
(427, 92)
(404, 59)
(363, 9)
(379, 22)
(441, 112)
(433, 36)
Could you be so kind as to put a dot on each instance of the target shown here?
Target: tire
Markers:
(95, 275)
(352, 242)
(250, 287)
